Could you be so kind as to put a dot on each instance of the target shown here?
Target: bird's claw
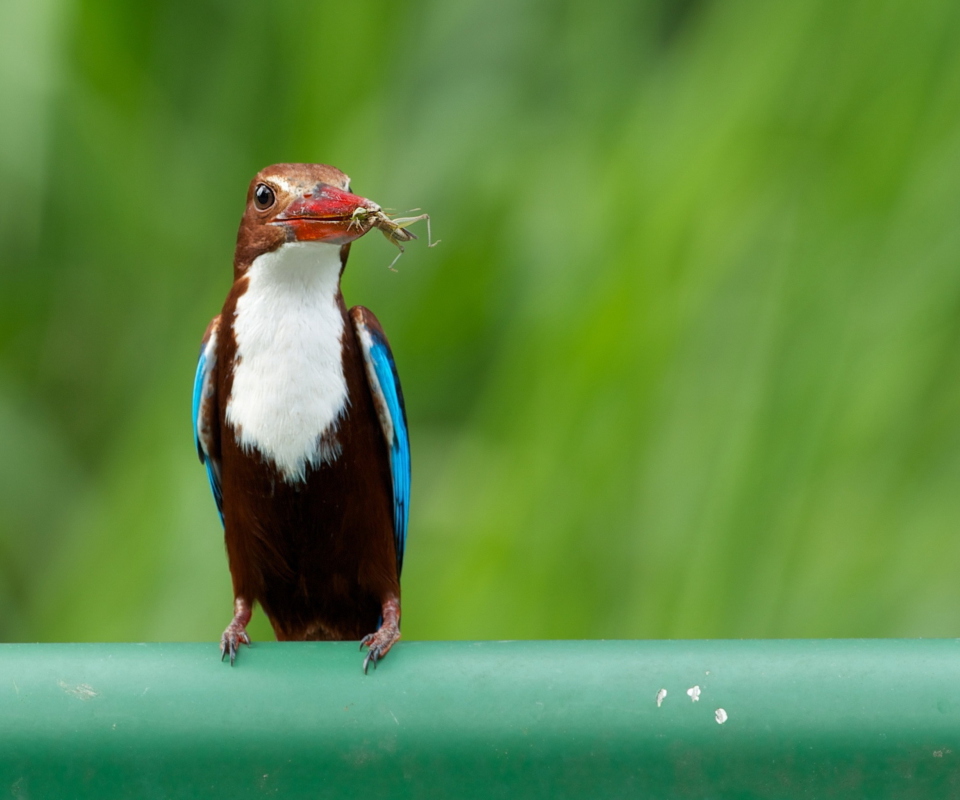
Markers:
(374, 654)
(232, 638)
(379, 644)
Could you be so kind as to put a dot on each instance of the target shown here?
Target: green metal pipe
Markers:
(803, 718)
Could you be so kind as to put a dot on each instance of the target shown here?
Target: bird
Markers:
(300, 422)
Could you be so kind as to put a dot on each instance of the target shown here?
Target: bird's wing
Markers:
(388, 400)
(206, 422)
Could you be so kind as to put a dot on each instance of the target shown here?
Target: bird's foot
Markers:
(232, 638)
(387, 634)
(379, 644)
(236, 632)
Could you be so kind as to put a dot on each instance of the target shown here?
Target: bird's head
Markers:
(300, 203)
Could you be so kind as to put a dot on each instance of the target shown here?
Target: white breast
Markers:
(289, 390)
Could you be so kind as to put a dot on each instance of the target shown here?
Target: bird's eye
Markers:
(263, 196)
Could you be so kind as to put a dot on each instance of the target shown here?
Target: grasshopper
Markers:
(394, 229)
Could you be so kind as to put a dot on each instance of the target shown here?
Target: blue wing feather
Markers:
(386, 370)
(197, 394)
(380, 362)
(200, 386)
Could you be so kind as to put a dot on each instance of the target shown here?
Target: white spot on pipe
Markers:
(84, 691)
(660, 695)
(721, 716)
(694, 693)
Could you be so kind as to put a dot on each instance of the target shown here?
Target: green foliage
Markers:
(687, 362)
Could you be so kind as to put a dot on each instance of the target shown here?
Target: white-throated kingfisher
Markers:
(299, 420)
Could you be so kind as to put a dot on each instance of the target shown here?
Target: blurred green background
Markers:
(686, 364)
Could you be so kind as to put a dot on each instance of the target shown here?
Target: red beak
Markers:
(327, 215)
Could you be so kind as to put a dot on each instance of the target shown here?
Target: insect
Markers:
(394, 229)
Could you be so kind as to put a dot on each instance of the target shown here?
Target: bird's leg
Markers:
(236, 632)
(379, 643)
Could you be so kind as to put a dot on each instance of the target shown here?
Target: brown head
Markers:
(299, 203)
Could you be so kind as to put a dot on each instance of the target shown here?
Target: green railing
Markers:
(777, 719)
